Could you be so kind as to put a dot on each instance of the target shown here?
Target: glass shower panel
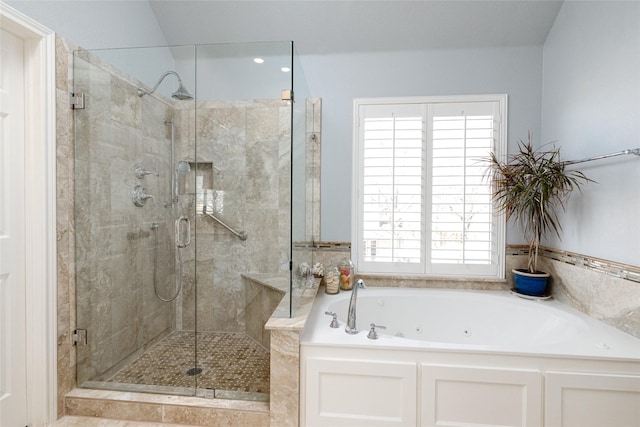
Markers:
(130, 283)
(243, 206)
(305, 173)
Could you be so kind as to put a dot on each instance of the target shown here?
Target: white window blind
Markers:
(423, 204)
(392, 185)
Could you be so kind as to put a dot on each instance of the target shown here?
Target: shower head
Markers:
(183, 167)
(181, 93)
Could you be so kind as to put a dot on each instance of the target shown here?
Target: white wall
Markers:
(591, 106)
(338, 79)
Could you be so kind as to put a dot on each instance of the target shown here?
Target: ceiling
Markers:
(343, 26)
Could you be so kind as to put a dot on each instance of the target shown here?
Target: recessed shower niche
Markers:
(161, 288)
(204, 184)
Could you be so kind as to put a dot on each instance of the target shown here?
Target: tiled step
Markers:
(164, 410)
(74, 421)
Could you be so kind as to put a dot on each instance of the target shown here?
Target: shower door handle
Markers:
(179, 242)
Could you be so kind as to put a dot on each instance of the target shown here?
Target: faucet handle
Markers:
(140, 196)
(373, 334)
(334, 321)
(140, 171)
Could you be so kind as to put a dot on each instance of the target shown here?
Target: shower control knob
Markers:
(140, 196)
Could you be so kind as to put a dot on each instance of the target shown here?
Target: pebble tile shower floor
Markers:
(229, 361)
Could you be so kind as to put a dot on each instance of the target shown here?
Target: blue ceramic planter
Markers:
(534, 284)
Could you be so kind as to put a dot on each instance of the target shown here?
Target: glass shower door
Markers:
(132, 279)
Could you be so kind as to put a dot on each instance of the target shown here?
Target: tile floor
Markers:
(229, 362)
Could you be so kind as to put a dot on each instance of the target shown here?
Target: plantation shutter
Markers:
(422, 200)
(392, 187)
(462, 218)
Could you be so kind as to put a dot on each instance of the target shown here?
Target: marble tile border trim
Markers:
(325, 246)
(610, 268)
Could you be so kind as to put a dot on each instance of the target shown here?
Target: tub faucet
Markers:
(351, 327)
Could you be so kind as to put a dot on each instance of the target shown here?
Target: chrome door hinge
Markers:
(80, 337)
(77, 101)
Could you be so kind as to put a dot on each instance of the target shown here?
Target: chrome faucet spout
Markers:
(351, 327)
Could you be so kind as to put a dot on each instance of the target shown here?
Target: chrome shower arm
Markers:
(142, 92)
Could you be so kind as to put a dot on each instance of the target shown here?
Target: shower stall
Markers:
(192, 209)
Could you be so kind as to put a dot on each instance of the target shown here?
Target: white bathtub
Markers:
(452, 357)
(467, 320)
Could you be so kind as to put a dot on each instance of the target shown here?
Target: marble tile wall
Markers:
(261, 301)
(614, 300)
(243, 156)
(285, 378)
(605, 290)
(313, 127)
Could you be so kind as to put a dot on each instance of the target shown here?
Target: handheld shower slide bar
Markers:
(242, 235)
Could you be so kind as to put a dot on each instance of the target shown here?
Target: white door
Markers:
(13, 373)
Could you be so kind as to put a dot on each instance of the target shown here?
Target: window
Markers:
(422, 202)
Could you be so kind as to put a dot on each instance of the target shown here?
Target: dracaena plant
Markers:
(529, 188)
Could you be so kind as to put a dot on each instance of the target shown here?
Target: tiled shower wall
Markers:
(243, 158)
(115, 241)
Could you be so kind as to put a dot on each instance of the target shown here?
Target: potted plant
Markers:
(529, 188)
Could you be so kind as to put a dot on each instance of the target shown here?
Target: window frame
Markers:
(492, 271)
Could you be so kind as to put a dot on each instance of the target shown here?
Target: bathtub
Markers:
(460, 320)
(458, 357)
